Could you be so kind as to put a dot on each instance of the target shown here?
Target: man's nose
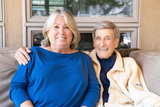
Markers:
(102, 42)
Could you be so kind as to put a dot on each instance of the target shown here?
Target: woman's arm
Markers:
(22, 55)
(19, 83)
(27, 103)
(92, 95)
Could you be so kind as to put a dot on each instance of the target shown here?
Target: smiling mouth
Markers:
(101, 49)
(61, 38)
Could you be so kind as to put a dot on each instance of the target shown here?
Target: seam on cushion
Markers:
(149, 55)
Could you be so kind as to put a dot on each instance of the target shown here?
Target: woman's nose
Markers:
(61, 30)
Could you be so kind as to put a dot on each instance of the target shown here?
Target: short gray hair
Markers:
(107, 25)
(70, 22)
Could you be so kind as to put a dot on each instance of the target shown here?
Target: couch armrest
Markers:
(8, 66)
(149, 62)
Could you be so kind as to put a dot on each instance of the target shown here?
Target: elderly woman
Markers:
(57, 74)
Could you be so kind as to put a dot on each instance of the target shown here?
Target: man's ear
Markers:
(94, 42)
(116, 42)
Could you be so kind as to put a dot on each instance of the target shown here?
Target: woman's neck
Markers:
(63, 50)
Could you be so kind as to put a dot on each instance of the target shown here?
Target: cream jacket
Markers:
(127, 86)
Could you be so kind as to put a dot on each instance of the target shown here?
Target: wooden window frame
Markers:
(42, 19)
(1, 11)
(85, 24)
(2, 34)
(134, 38)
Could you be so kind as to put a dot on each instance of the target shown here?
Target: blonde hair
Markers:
(70, 22)
(107, 25)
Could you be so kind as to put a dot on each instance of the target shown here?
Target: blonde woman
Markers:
(57, 74)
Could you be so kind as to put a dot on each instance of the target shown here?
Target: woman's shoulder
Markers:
(85, 54)
(35, 50)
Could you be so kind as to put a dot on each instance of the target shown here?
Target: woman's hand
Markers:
(27, 103)
(22, 55)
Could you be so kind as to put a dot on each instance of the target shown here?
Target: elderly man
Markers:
(122, 83)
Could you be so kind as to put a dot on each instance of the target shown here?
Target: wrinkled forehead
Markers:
(104, 33)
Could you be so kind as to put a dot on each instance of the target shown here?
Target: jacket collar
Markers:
(94, 57)
(118, 63)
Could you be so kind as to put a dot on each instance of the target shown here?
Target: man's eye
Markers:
(107, 38)
(97, 38)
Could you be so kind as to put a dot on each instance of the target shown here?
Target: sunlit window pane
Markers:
(85, 8)
(56, 2)
(51, 9)
(38, 2)
(125, 40)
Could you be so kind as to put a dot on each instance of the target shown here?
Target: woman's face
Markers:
(60, 35)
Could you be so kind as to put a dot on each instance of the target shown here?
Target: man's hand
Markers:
(27, 103)
(22, 55)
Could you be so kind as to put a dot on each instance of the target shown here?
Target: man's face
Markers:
(105, 43)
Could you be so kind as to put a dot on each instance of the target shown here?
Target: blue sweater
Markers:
(56, 80)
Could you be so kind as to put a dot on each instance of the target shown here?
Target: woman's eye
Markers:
(56, 27)
(66, 27)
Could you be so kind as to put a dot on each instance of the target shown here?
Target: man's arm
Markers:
(22, 55)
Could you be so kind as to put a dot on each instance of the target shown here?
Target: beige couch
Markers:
(8, 66)
(148, 61)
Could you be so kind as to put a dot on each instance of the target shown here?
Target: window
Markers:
(84, 8)
(46, 7)
(1, 11)
(124, 13)
(86, 42)
(2, 37)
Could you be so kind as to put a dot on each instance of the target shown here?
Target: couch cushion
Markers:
(149, 63)
(8, 66)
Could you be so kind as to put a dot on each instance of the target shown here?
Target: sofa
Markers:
(8, 66)
(148, 61)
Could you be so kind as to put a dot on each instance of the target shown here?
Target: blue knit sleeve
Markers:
(18, 87)
(93, 91)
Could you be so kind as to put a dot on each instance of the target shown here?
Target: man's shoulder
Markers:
(128, 58)
(87, 52)
(129, 61)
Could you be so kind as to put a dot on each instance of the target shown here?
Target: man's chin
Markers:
(102, 56)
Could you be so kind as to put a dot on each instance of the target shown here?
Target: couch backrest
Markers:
(8, 66)
(149, 62)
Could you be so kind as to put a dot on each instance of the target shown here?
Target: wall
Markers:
(149, 24)
(13, 22)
